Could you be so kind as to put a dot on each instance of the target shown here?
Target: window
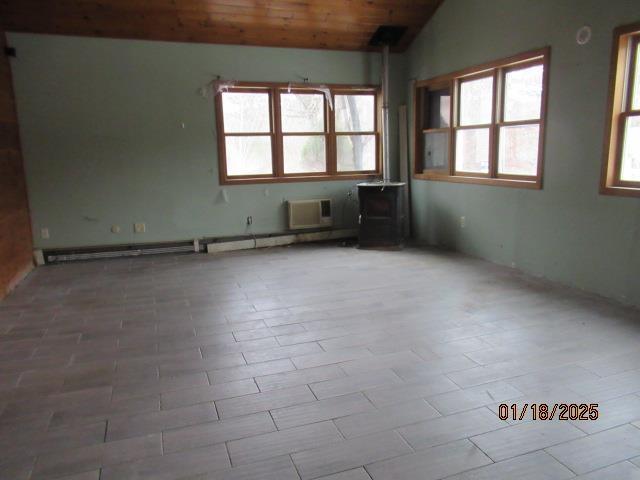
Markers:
(437, 120)
(248, 133)
(484, 124)
(273, 133)
(621, 168)
(355, 133)
(304, 132)
(474, 125)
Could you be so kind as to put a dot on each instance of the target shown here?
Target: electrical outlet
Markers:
(139, 227)
(463, 222)
(44, 233)
(249, 220)
(115, 228)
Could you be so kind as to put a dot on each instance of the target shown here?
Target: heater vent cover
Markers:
(310, 214)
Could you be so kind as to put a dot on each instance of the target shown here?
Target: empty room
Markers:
(319, 239)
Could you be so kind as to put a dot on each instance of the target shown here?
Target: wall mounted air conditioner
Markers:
(310, 214)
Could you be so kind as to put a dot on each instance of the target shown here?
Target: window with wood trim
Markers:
(484, 124)
(621, 167)
(274, 133)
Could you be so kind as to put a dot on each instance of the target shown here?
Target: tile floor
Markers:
(311, 362)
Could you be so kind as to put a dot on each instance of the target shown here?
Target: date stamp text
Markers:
(544, 411)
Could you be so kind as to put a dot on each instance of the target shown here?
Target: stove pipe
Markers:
(386, 36)
(386, 176)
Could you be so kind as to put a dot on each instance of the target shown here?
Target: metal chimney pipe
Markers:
(386, 176)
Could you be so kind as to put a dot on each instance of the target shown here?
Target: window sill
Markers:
(620, 191)
(501, 182)
(299, 178)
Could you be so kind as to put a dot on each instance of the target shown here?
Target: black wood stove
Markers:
(381, 214)
(381, 203)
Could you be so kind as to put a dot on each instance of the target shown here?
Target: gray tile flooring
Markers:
(317, 361)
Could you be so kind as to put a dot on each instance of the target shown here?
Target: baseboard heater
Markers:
(115, 251)
(209, 245)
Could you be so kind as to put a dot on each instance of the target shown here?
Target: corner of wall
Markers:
(16, 259)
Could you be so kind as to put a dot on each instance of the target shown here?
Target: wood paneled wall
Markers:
(16, 257)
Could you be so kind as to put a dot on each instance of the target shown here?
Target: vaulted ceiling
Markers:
(327, 24)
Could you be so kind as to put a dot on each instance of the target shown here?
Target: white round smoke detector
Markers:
(583, 35)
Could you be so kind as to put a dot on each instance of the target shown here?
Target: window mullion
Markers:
(454, 121)
(496, 115)
(330, 132)
(276, 133)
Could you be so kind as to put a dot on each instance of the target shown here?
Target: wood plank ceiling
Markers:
(326, 24)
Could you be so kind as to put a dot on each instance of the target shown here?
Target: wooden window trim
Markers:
(626, 43)
(452, 81)
(278, 175)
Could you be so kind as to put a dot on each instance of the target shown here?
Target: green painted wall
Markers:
(100, 121)
(566, 232)
(101, 129)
